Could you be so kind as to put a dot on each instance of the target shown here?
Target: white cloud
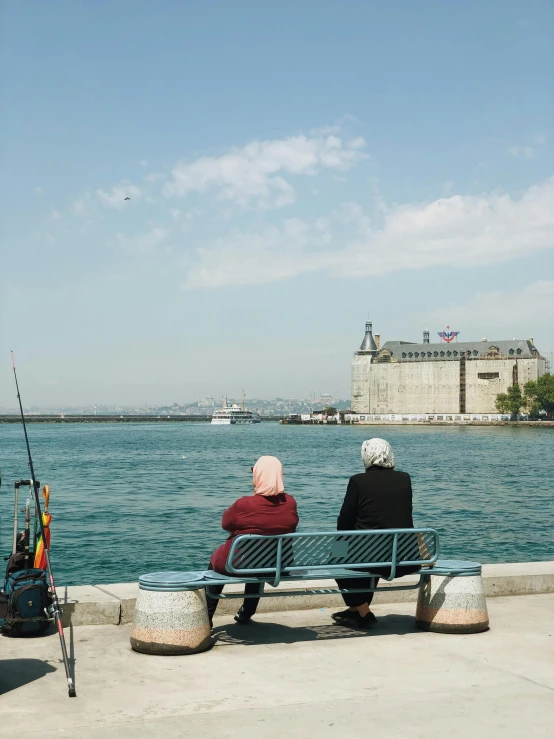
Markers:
(529, 306)
(248, 259)
(357, 143)
(528, 152)
(458, 231)
(523, 152)
(146, 243)
(255, 174)
(353, 214)
(143, 163)
(39, 190)
(55, 215)
(115, 198)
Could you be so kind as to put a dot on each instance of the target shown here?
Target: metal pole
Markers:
(55, 608)
(15, 512)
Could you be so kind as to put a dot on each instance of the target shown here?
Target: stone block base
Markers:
(452, 604)
(171, 623)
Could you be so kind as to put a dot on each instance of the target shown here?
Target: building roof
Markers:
(511, 347)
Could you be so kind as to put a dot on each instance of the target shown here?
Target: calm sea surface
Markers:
(127, 499)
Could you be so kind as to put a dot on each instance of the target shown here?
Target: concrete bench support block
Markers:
(452, 605)
(171, 623)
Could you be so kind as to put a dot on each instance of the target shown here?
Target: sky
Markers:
(292, 168)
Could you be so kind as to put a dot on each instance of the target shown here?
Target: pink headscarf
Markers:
(268, 477)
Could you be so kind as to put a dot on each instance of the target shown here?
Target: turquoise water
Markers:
(133, 498)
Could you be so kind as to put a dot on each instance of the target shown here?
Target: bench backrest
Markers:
(256, 555)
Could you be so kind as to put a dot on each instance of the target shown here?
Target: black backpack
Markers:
(26, 602)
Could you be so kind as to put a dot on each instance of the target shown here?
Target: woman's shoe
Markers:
(242, 618)
(354, 620)
(343, 614)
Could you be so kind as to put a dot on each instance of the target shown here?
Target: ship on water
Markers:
(234, 414)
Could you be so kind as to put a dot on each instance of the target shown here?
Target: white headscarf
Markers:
(377, 453)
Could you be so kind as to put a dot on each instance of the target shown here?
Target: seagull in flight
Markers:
(127, 198)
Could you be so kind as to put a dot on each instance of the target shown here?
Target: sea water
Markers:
(132, 498)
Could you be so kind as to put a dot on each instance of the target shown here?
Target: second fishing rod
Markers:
(55, 608)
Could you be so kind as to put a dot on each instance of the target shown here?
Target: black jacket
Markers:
(377, 499)
(380, 499)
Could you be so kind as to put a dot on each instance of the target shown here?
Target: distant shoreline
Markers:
(62, 418)
(14, 418)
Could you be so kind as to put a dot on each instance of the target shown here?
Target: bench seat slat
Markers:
(299, 576)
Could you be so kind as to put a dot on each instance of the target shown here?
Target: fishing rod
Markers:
(54, 609)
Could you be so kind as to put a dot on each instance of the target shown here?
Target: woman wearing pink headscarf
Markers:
(269, 511)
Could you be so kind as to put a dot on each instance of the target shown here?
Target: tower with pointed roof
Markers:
(361, 367)
(368, 345)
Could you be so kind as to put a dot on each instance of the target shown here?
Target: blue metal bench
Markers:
(302, 557)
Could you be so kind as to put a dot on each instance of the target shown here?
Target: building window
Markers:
(403, 355)
(488, 375)
(435, 354)
(429, 354)
(455, 354)
(475, 353)
(448, 354)
(410, 354)
(518, 351)
(416, 354)
(511, 352)
(442, 354)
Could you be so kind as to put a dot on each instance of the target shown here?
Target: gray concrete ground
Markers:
(294, 674)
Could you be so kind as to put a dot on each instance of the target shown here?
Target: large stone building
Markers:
(463, 377)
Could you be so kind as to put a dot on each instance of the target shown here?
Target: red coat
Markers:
(255, 514)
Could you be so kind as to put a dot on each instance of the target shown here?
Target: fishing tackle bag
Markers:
(27, 599)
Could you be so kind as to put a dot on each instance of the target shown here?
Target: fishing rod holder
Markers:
(27, 484)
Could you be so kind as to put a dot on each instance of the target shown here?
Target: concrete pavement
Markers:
(294, 674)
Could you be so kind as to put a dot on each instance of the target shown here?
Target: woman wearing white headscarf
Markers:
(379, 498)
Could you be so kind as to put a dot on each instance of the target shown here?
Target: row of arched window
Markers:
(475, 353)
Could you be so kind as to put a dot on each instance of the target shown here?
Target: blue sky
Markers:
(292, 169)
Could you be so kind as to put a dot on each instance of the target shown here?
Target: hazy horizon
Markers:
(204, 199)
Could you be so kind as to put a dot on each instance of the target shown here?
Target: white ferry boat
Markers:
(234, 414)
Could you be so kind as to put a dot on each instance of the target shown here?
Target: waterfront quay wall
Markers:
(399, 422)
(377, 421)
(114, 604)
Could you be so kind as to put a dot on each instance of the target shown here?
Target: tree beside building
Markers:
(540, 395)
(511, 402)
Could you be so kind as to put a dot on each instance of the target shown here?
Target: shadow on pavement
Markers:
(14, 673)
(262, 632)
